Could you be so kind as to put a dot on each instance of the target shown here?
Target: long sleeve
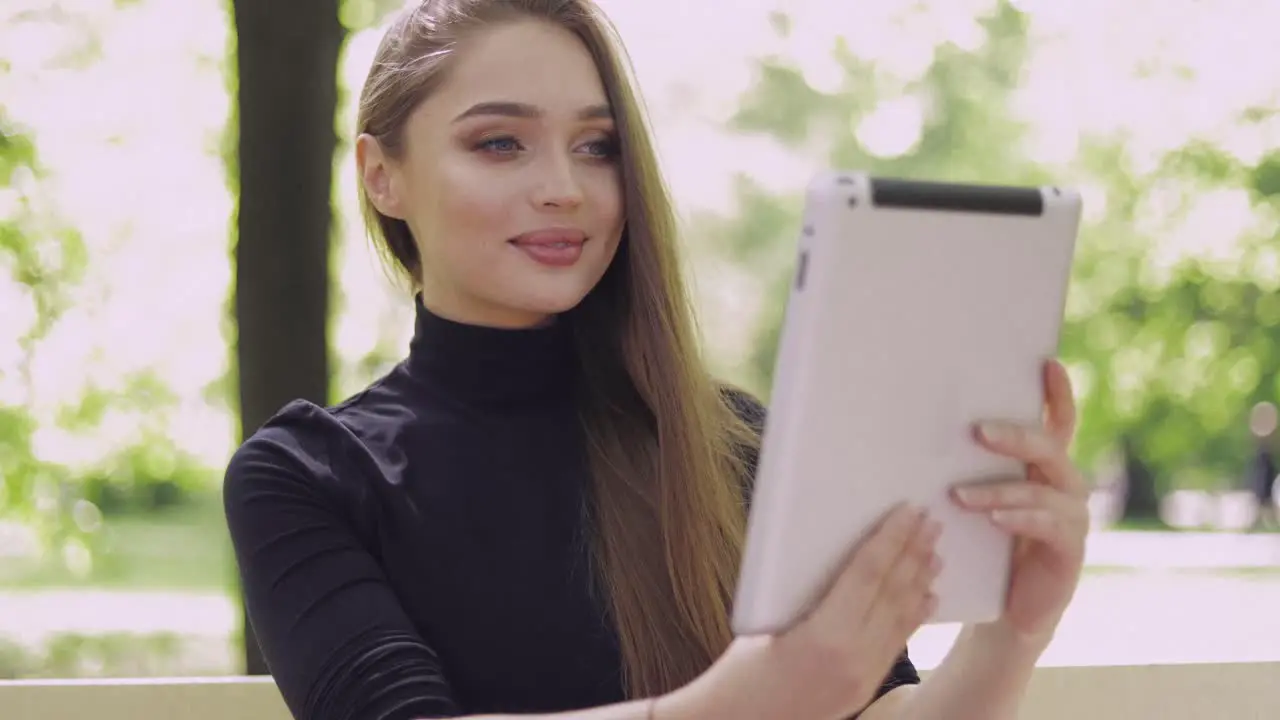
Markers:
(903, 673)
(334, 635)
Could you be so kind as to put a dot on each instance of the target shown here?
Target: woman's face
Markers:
(509, 179)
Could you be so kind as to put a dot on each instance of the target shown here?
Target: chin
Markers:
(551, 301)
(543, 296)
(539, 291)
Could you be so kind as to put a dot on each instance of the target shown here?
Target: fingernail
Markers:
(922, 524)
(994, 432)
(970, 495)
(1004, 516)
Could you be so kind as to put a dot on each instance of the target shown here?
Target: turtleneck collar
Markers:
(486, 365)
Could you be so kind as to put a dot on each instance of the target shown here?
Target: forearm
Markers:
(984, 677)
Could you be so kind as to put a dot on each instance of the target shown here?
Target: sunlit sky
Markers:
(129, 141)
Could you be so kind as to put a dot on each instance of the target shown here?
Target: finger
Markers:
(1030, 510)
(912, 564)
(1062, 525)
(1034, 446)
(927, 572)
(927, 605)
(901, 590)
(1003, 494)
(873, 560)
(1060, 403)
(905, 599)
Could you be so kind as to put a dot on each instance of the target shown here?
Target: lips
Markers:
(554, 247)
(558, 238)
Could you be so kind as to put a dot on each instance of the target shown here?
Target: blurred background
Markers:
(181, 253)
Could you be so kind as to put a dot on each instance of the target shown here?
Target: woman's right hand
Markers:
(830, 664)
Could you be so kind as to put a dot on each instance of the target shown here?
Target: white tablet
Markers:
(917, 309)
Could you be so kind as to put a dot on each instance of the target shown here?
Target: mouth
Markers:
(555, 238)
(559, 245)
(554, 247)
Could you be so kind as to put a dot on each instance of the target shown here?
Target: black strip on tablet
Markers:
(922, 195)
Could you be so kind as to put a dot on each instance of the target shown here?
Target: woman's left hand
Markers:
(1047, 512)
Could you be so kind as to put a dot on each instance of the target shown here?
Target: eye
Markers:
(501, 145)
(603, 148)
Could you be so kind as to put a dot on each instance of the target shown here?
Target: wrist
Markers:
(687, 703)
(730, 688)
(1000, 637)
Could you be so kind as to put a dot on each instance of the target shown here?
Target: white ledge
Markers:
(1230, 691)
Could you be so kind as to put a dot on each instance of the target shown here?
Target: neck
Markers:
(494, 365)
(483, 315)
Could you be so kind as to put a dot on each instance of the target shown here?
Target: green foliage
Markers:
(148, 475)
(76, 655)
(44, 262)
(361, 14)
(222, 391)
(16, 152)
(1264, 179)
(967, 135)
(175, 548)
(1174, 358)
(1202, 161)
(1171, 356)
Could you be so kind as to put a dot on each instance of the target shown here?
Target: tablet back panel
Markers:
(917, 309)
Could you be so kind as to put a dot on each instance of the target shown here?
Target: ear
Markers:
(380, 177)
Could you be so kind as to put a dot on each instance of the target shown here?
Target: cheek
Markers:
(604, 195)
(475, 204)
(466, 214)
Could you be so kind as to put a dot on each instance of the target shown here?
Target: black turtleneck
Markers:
(417, 551)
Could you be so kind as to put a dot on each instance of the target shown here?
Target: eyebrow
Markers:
(527, 111)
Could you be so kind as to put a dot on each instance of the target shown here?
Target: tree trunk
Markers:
(287, 64)
(1141, 500)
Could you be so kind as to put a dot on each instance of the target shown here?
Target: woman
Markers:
(541, 510)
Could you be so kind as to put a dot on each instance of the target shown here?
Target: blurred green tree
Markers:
(966, 134)
(41, 261)
(1174, 352)
(1172, 358)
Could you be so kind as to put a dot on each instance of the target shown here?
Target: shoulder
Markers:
(746, 451)
(746, 406)
(296, 446)
(321, 451)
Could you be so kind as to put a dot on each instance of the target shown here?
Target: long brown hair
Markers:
(665, 446)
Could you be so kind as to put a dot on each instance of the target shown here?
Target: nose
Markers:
(558, 185)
